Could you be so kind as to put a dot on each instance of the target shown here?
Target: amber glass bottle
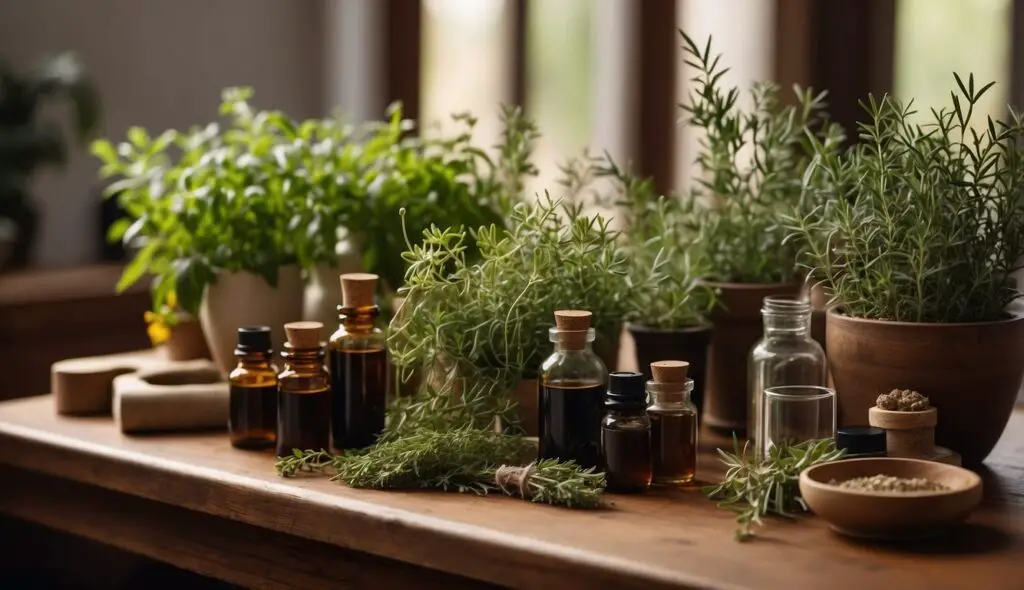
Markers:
(304, 392)
(673, 423)
(626, 435)
(572, 386)
(358, 362)
(252, 416)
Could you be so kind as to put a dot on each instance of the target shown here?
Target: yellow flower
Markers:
(172, 300)
(158, 333)
(150, 317)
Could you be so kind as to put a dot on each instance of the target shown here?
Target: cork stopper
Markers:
(357, 289)
(669, 371)
(573, 326)
(303, 335)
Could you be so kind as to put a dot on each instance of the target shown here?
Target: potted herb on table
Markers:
(668, 302)
(212, 217)
(916, 243)
(750, 166)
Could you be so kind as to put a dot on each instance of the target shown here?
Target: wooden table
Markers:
(193, 501)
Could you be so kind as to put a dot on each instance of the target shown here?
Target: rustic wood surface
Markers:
(660, 540)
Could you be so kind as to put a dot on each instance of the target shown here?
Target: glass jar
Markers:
(572, 385)
(785, 355)
(673, 432)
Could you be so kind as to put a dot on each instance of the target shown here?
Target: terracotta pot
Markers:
(243, 299)
(737, 327)
(187, 341)
(970, 372)
(686, 344)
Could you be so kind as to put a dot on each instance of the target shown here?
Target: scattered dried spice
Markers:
(889, 483)
(903, 400)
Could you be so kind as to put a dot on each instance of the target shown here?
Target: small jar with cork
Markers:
(358, 361)
(252, 406)
(626, 435)
(304, 392)
(572, 387)
(673, 423)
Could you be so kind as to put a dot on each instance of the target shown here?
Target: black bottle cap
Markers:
(626, 390)
(253, 339)
(861, 440)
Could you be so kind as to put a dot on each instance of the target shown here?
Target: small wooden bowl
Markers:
(890, 515)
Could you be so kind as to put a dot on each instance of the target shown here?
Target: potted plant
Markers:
(26, 143)
(750, 167)
(178, 335)
(668, 302)
(480, 330)
(916, 241)
(213, 216)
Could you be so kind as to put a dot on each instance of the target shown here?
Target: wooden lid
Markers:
(572, 326)
(669, 371)
(303, 334)
(357, 289)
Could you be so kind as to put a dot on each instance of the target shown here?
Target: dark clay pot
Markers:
(971, 373)
(686, 344)
(737, 328)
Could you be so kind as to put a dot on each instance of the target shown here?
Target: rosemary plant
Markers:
(924, 221)
(667, 258)
(753, 488)
(466, 460)
(750, 170)
(484, 326)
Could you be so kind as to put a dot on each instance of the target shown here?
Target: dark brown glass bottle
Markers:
(252, 416)
(571, 389)
(304, 392)
(626, 435)
(358, 361)
(674, 423)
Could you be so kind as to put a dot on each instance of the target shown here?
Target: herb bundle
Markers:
(924, 222)
(751, 169)
(466, 460)
(753, 488)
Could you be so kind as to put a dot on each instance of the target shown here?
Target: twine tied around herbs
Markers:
(516, 478)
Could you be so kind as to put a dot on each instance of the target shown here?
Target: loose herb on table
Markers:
(469, 460)
(753, 488)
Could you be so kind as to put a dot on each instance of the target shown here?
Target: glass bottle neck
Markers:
(358, 319)
(254, 360)
(787, 325)
(669, 394)
(560, 347)
(303, 359)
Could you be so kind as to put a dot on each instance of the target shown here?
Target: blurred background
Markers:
(597, 74)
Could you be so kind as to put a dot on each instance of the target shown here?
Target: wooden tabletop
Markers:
(664, 539)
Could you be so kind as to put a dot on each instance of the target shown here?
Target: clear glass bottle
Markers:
(785, 355)
(358, 360)
(252, 406)
(626, 435)
(572, 386)
(674, 423)
(304, 392)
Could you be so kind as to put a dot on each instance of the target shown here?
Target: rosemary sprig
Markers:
(467, 460)
(753, 488)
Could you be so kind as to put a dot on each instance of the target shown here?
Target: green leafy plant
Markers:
(465, 460)
(666, 257)
(27, 142)
(754, 488)
(265, 191)
(484, 325)
(920, 222)
(751, 165)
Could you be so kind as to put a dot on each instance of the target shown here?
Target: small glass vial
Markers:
(572, 387)
(626, 435)
(674, 423)
(358, 360)
(786, 355)
(252, 415)
(304, 392)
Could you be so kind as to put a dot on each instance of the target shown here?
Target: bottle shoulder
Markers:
(344, 338)
(574, 366)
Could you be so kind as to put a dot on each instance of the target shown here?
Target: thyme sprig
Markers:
(465, 460)
(755, 487)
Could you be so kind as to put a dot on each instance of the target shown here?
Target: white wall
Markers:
(160, 64)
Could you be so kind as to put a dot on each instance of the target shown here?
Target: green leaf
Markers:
(104, 150)
(137, 267)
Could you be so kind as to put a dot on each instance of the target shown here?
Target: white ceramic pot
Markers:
(245, 299)
(323, 291)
